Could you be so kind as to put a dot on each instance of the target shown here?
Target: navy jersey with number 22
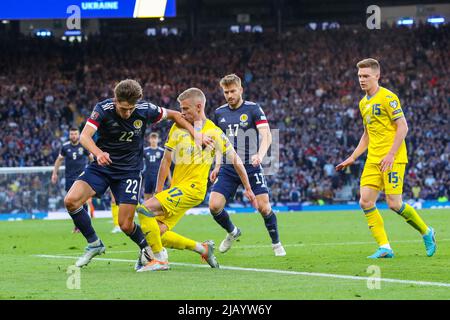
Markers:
(123, 139)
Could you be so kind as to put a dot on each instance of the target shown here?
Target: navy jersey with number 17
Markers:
(122, 138)
(240, 125)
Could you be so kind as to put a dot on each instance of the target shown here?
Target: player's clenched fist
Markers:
(103, 159)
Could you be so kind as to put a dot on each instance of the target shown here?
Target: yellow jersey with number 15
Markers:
(379, 113)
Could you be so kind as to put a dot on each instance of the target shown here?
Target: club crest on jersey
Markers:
(223, 120)
(243, 120)
(368, 119)
(158, 154)
(393, 104)
(137, 124)
(94, 115)
(80, 151)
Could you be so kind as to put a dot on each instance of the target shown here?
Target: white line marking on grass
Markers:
(252, 246)
(308, 274)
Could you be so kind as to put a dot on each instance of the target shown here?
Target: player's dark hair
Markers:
(128, 90)
(369, 63)
(154, 135)
(73, 129)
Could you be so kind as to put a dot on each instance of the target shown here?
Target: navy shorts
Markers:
(228, 181)
(124, 185)
(150, 183)
(69, 183)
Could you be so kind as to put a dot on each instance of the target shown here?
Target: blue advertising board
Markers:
(88, 9)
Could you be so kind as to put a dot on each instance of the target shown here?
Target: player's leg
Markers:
(69, 184)
(224, 188)
(174, 240)
(270, 221)
(394, 189)
(115, 214)
(74, 200)
(146, 214)
(149, 187)
(375, 222)
(259, 187)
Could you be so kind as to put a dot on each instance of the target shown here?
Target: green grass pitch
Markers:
(326, 259)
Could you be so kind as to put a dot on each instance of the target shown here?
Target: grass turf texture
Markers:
(334, 243)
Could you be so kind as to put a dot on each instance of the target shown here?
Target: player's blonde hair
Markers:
(192, 93)
(369, 63)
(230, 79)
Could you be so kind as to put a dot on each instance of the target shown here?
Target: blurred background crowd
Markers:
(305, 81)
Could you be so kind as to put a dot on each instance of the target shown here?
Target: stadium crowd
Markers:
(305, 81)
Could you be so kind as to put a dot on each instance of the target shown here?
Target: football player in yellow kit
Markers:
(162, 212)
(385, 129)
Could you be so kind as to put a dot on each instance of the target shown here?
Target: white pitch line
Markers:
(308, 274)
(253, 246)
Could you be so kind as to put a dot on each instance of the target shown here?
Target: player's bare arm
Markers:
(58, 163)
(215, 171)
(360, 149)
(266, 141)
(164, 170)
(183, 123)
(240, 169)
(400, 135)
(87, 142)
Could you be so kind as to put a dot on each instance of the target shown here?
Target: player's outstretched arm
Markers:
(400, 135)
(360, 149)
(183, 123)
(58, 163)
(89, 143)
(164, 170)
(240, 169)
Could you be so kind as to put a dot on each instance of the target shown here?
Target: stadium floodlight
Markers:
(436, 20)
(405, 22)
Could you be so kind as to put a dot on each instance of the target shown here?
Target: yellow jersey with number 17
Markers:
(192, 162)
(379, 113)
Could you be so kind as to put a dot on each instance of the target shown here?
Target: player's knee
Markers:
(215, 207)
(394, 204)
(126, 226)
(366, 204)
(71, 203)
(265, 209)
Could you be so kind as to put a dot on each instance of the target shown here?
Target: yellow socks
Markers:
(376, 226)
(115, 214)
(171, 239)
(412, 218)
(150, 228)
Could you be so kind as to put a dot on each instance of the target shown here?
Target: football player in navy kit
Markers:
(152, 159)
(243, 122)
(120, 124)
(75, 158)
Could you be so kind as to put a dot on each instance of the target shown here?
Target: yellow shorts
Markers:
(389, 181)
(175, 201)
